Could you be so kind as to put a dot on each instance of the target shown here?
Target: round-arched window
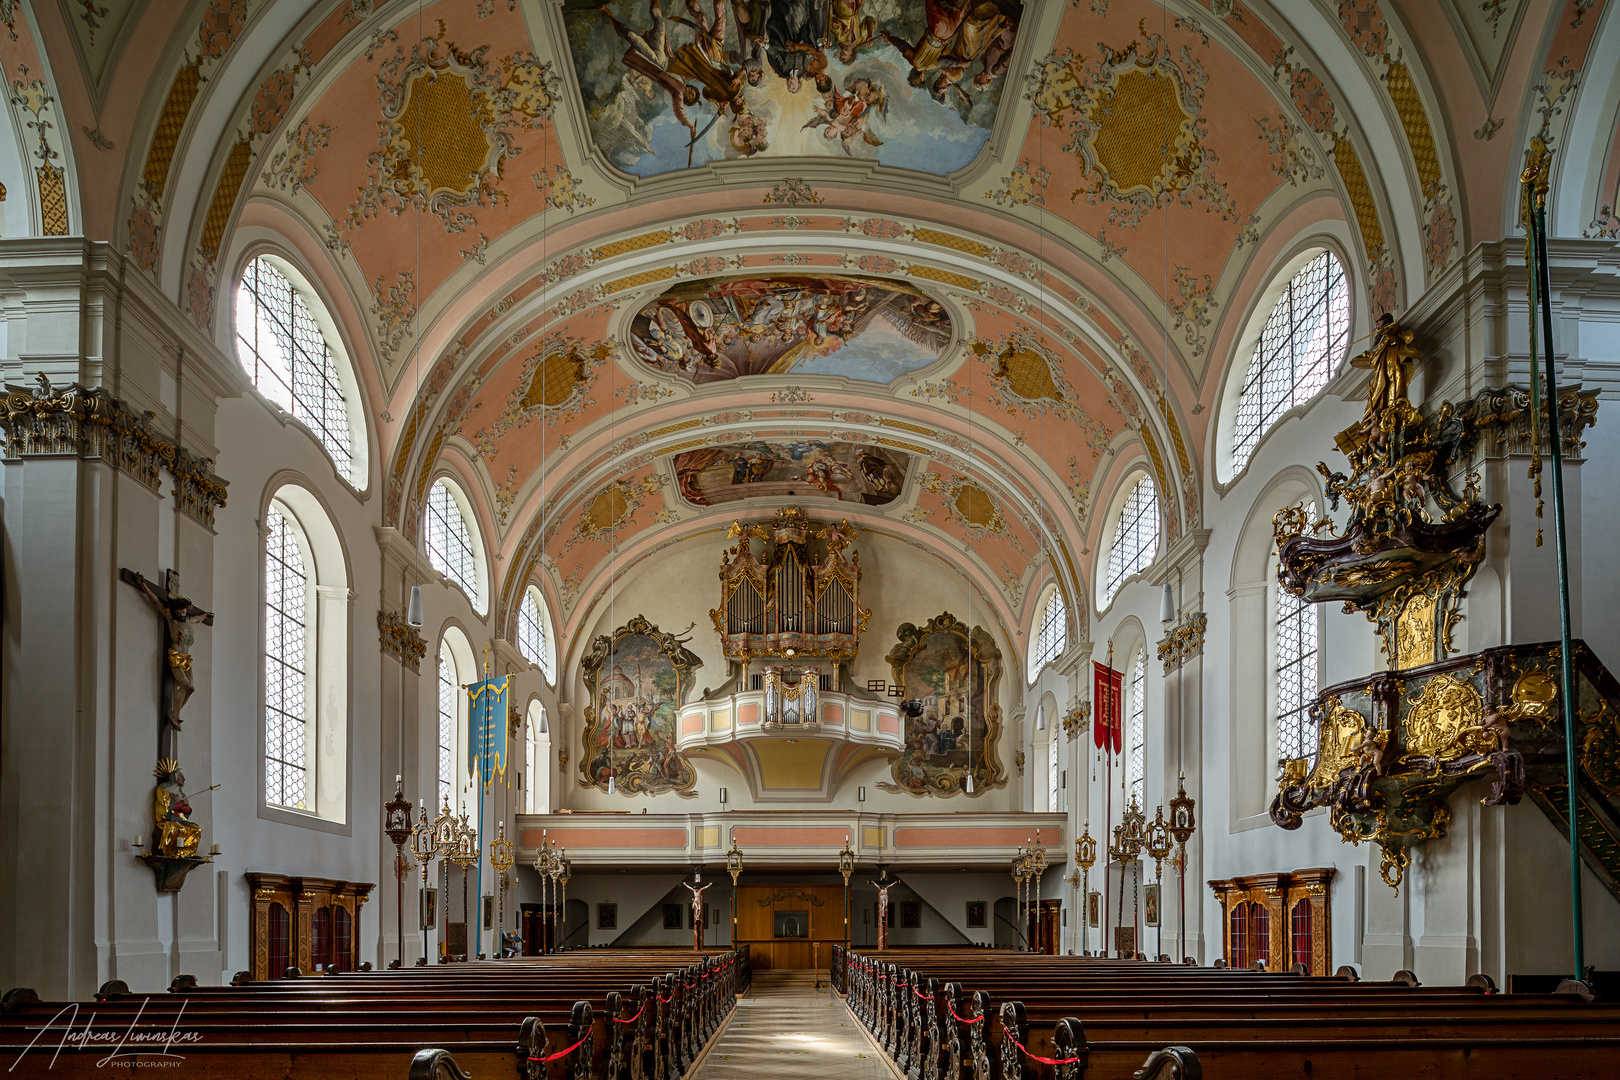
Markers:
(450, 547)
(1136, 536)
(1301, 346)
(1052, 634)
(534, 634)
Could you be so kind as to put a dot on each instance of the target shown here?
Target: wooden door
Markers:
(790, 926)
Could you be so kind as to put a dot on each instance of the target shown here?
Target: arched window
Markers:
(450, 546)
(1294, 672)
(1136, 536)
(1052, 636)
(534, 634)
(449, 726)
(1054, 782)
(306, 611)
(1135, 726)
(1301, 346)
(286, 676)
(284, 350)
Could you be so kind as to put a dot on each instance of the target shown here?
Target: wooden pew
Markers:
(965, 1013)
(594, 1014)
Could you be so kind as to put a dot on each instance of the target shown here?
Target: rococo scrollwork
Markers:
(636, 679)
(953, 678)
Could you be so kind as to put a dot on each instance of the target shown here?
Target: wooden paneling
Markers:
(757, 906)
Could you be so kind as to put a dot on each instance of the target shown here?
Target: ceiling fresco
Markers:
(620, 266)
(802, 469)
(715, 330)
(905, 83)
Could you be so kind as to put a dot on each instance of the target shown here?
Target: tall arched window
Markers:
(450, 547)
(286, 632)
(1136, 536)
(306, 611)
(1052, 636)
(1135, 724)
(449, 728)
(534, 637)
(1301, 346)
(1294, 672)
(537, 766)
(281, 345)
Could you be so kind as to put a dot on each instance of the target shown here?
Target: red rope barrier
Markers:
(964, 1019)
(634, 1018)
(563, 1053)
(1037, 1057)
(919, 993)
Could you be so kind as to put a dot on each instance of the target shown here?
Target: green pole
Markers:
(1569, 692)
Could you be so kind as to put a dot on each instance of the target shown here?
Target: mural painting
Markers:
(848, 472)
(956, 732)
(913, 84)
(717, 329)
(636, 680)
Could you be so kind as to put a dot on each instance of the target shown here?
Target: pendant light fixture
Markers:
(1167, 605)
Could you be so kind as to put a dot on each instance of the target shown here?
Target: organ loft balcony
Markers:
(792, 739)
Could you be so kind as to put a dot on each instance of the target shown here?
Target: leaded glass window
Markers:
(449, 542)
(1136, 535)
(532, 641)
(1135, 727)
(283, 350)
(286, 646)
(1295, 672)
(447, 725)
(1300, 347)
(1053, 636)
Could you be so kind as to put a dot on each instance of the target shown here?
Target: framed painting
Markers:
(673, 916)
(1150, 905)
(636, 679)
(910, 914)
(1093, 909)
(952, 719)
(975, 914)
(607, 916)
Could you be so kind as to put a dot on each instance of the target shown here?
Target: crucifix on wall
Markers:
(179, 615)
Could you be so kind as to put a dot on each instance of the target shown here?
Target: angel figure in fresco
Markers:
(749, 17)
(1390, 360)
(843, 116)
(648, 58)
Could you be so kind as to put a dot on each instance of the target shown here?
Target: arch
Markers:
(537, 757)
(1266, 305)
(1253, 597)
(356, 470)
(1113, 575)
(453, 541)
(1049, 633)
(456, 667)
(304, 734)
(1582, 162)
(536, 635)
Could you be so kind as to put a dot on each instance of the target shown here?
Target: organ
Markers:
(798, 596)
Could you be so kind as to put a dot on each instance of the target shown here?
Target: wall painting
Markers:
(959, 728)
(847, 472)
(636, 680)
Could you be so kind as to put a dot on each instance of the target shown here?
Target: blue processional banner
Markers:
(486, 727)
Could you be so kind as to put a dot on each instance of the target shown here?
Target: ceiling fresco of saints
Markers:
(717, 329)
(913, 84)
(847, 472)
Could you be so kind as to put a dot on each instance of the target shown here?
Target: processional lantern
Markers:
(1182, 823)
(792, 598)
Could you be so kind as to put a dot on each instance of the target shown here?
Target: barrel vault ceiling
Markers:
(959, 313)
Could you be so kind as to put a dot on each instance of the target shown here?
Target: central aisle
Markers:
(785, 1029)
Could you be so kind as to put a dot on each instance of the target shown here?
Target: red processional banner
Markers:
(1106, 689)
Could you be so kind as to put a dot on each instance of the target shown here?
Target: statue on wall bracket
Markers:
(636, 679)
(955, 678)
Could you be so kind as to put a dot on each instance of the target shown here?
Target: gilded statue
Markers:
(174, 834)
(1390, 360)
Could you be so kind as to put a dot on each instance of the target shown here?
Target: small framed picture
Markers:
(975, 914)
(430, 908)
(910, 914)
(1150, 905)
(1093, 908)
(672, 916)
(607, 916)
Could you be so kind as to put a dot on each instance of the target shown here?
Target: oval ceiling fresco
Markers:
(718, 329)
(903, 83)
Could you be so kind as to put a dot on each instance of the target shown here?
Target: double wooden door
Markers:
(790, 926)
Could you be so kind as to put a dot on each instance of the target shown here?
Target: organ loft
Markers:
(944, 538)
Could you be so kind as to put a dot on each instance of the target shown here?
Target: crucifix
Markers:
(883, 884)
(179, 614)
(697, 912)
